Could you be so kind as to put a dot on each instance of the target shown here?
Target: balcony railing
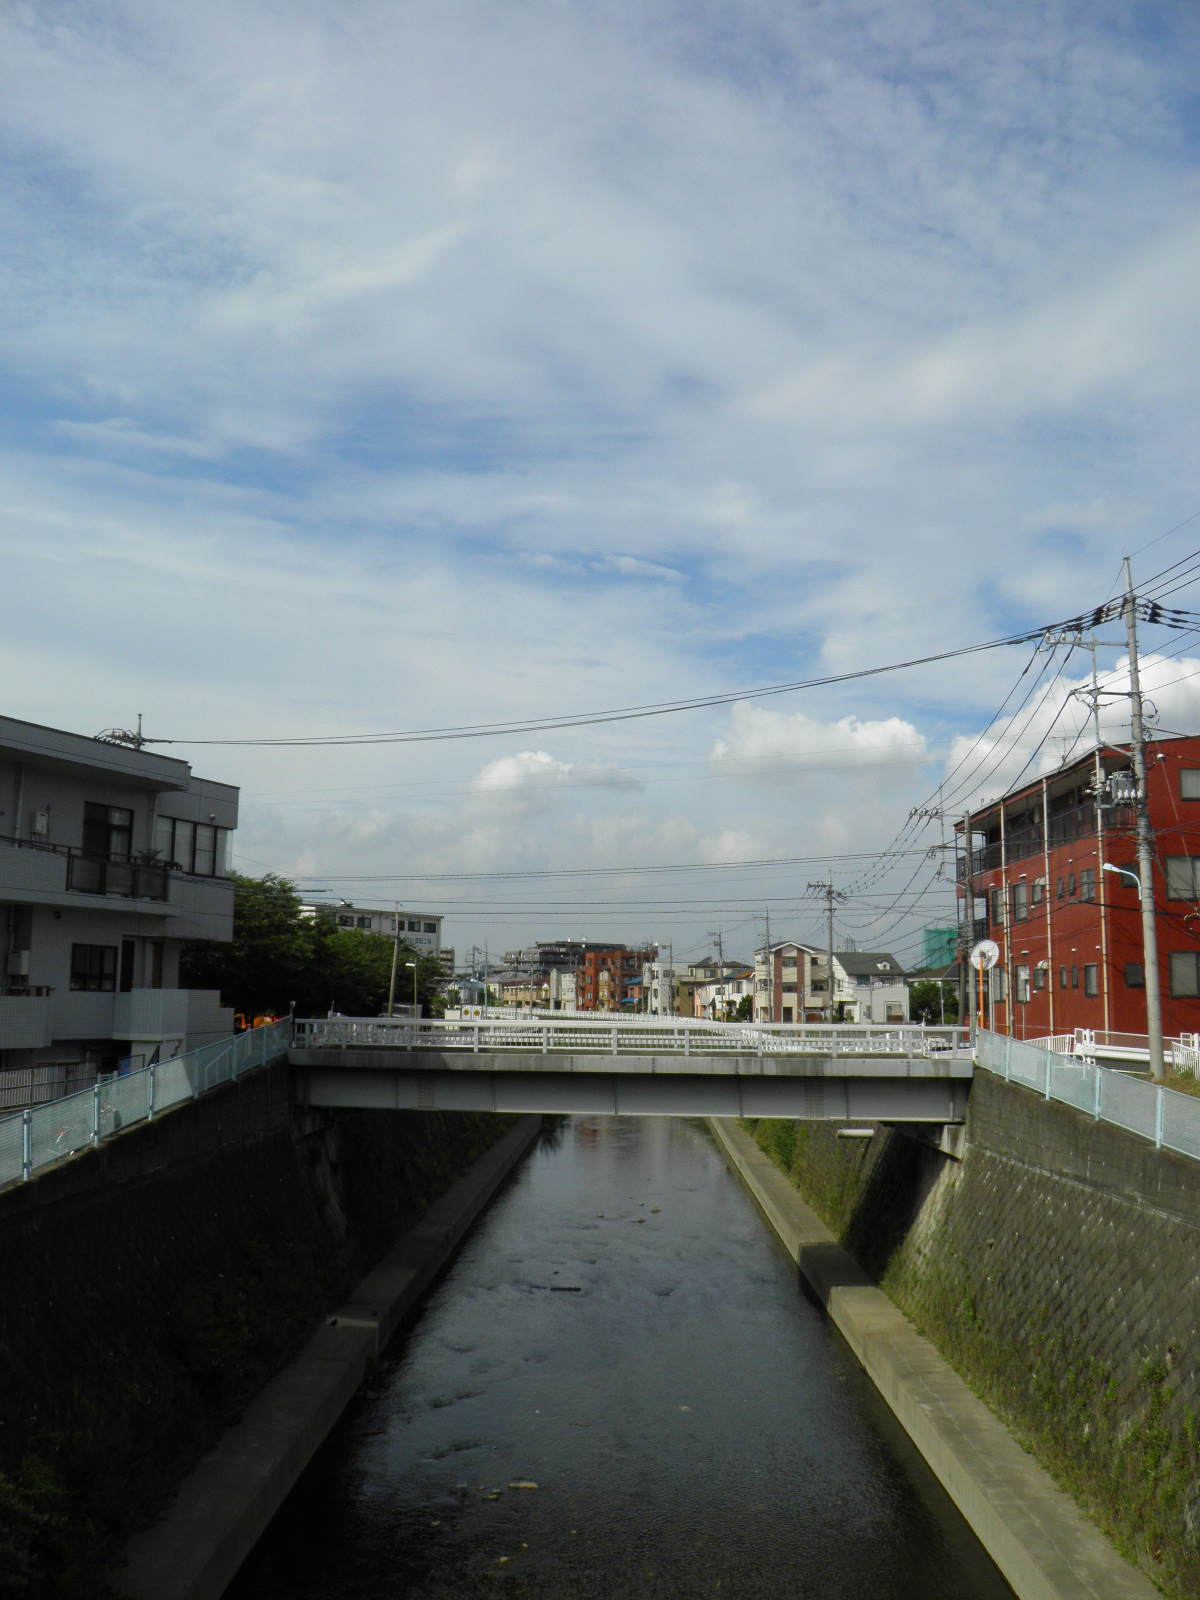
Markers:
(68, 868)
(1021, 844)
(133, 880)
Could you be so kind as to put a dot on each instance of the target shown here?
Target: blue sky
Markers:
(378, 366)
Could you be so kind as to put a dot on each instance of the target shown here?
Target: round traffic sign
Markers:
(985, 955)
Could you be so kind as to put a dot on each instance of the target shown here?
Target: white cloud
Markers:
(769, 741)
(536, 773)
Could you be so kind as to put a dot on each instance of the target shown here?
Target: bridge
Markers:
(634, 1067)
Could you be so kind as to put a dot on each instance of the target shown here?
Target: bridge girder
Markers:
(872, 1089)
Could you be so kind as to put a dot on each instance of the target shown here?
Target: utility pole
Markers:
(770, 973)
(720, 946)
(829, 905)
(831, 894)
(395, 954)
(969, 942)
(1145, 869)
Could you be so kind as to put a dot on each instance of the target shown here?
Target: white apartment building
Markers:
(420, 929)
(111, 857)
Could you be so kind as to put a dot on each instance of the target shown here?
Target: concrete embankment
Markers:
(193, 1551)
(1038, 1537)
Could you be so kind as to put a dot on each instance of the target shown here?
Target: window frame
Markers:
(95, 956)
(1091, 980)
(1189, 772)
(1179, 960)
(1174, 869)
(1135, 977)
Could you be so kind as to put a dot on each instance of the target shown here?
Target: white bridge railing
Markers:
(631, 1036)
(1095, 1044)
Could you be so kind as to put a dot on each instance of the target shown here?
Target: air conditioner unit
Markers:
(39, 824)
(17, 965)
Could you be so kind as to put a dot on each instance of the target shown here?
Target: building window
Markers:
(107, 832)
(999, 984)
(192, 847)
(345, 922)
(1070, 886)
(364, 922)
(1062, 977)
(1185, 978)
(430, 927)
(413, 926)
(1022, 985)
(1020, 901)
(1189, 783)
(1134, 976)
(1039, 977)
(787, 1013)
(997, 917)
(1039, 891)
(1087, 884)
(1074, 977)
(1060, 888)
(1183, 874)
(94, 966)
(1091, 979)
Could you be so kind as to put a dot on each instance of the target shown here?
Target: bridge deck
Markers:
(628, 1068)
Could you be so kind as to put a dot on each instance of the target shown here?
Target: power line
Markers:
(488, 730)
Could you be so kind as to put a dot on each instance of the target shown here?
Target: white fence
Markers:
(641, 1036)
(46, 1133)
(1167, 1118)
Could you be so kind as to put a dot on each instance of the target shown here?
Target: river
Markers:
(623, 1330)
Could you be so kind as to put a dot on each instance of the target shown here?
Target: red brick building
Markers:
(609, 977)
(1069, 932)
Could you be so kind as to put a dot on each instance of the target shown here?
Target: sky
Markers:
(371, 367)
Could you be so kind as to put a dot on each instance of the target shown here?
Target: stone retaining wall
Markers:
(1058, 1268)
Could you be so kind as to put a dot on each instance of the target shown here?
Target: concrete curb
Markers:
(1038, 1537)
(194, 1550)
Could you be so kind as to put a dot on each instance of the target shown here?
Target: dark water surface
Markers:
(623, 1330)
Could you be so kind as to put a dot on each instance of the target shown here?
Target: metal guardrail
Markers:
(630, 1036)
(43, 1134)
(1170, 1120)
(1093, 1044)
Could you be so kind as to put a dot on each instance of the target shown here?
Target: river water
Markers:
(624, 1331)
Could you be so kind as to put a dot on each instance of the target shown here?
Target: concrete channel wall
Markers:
(1043, 1544)
(221, 1510)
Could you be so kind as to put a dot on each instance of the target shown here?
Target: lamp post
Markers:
(413, 965)
(1126, 872)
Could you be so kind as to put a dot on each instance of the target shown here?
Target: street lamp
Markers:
(413, 965)
(1125, 872)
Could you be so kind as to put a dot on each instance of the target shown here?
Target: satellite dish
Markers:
(985, 955)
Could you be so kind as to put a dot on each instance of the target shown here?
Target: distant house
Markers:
(723, 993)
(871, 986)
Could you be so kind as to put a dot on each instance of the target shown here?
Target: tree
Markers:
(280, 957)
(745, 1009)
(925, 1001)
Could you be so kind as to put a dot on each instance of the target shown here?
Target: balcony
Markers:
(131, 880)
(25, 1020)
(155, 1014)
(30, 868)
